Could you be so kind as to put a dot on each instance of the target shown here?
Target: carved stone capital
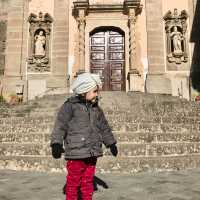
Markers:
(133, 4)
(80, 5)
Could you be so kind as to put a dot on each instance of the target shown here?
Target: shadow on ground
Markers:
(97, 181)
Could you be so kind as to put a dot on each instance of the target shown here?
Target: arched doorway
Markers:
(107, 57)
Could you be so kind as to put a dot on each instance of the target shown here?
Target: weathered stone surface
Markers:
(21, 138)
(157, 132)
(22, 149)
(136, 164)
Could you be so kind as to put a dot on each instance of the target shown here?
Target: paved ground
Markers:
(181, 185)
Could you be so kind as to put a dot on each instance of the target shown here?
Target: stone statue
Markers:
(177, 38)
(40, 41)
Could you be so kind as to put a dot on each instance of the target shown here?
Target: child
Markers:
(82, 126)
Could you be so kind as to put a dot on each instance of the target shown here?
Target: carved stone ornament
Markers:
(39, 42)
(175, 28)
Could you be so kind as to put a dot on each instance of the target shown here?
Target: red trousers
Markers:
(80, 174)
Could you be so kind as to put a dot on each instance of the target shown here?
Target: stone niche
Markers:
(176, 40)
(39, 43)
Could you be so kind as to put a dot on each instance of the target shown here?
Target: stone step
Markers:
(134, 137)
(26, 128)
(122, 118)
(130, 164)
(106, 164)
(154, 127)
(138, 105)
(115, 104)
(125, 149)
(159, 137)
(116, 126)
(26, 120)
(24, 137)
(161, 111)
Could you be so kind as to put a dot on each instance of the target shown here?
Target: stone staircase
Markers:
(154, 132)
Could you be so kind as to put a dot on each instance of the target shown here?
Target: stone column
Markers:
(157, 81)
(132, 41)
(81, 27)
(80, 11)
(60, 47)
(16, 47)
(133, 9)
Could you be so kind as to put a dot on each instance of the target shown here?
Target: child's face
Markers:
(92, 94)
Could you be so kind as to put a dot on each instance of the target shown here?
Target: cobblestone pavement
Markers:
(179, 185)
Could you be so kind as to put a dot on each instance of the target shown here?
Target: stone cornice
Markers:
(81, 4)
(106, 7)
(123, 7)
(132, 3)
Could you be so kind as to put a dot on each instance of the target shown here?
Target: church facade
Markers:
(135, 45)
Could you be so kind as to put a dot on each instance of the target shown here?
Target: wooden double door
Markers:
(107, 58)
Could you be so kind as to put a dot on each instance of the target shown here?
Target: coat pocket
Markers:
(76, 142)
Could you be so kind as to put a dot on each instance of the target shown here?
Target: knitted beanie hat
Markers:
(85, 82)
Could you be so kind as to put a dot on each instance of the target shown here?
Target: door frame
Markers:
(91, 25)
(108, 64)
(97, 20)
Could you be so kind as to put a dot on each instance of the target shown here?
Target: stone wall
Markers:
(165, 75)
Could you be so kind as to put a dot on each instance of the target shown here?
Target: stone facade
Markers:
(156, 57)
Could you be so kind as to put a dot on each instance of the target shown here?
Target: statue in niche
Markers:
(40, 41)
(177, 38)
(176, 43)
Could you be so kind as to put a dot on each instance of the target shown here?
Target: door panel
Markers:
(107, 58)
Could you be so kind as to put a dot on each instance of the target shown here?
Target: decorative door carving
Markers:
(107, 57)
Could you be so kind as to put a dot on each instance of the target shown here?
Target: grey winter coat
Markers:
(83, 128)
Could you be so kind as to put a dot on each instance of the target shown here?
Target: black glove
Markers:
(57, 150)
(114, 150)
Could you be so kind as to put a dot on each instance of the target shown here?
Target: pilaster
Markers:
(133, 8)
(60, 45)
(156, 81)
(80, 12)
(16, 47)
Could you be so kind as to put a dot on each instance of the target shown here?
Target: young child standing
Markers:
(82, 127)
